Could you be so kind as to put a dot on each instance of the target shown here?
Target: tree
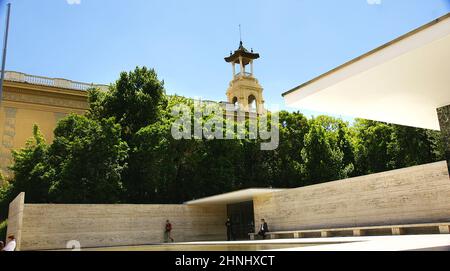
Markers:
(284, 163)
(163, 169)
(380, 146)
(372, 140)
(340, 139)
(322, 162)
(87, 159)
(135, 101)
(413, 146)
(32, 174)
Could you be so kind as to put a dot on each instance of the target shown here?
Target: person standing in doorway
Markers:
(229, 229)
(168, 232)
(263, 229)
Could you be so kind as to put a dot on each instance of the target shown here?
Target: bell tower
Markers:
(244, 91)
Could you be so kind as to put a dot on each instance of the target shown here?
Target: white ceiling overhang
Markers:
(233, 197)
(402, 82)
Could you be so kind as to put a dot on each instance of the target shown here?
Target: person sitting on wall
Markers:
(168, 232)
(229, 229)
(11, 245)
(263, 229)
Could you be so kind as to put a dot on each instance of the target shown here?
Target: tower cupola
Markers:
(244, 91)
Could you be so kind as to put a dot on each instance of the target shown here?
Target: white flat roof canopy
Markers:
(234, 197)
(401, 82)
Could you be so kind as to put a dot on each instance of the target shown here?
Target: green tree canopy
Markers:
(123, 151)
(31, 172)
(135, 101)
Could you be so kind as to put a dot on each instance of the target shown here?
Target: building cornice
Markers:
(44, 96)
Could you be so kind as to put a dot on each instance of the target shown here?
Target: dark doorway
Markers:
(242, 219)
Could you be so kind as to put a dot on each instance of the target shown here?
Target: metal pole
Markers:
(5, 45)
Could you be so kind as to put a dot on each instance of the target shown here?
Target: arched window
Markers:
(235, 103)
(252, 106)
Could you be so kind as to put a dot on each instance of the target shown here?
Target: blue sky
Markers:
(186, 41)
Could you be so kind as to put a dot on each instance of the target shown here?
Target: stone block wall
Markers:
(418, 194)
(48, 226)
(15, 218)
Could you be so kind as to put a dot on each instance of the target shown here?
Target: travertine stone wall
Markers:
(52, 226)
(418, 194)
(15, 218)
(444, 123)
(413, 195)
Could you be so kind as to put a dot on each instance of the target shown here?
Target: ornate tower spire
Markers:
(245, 91)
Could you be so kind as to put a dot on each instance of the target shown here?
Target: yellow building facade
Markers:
(29, 100)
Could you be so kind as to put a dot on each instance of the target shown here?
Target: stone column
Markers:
(242, 66)
(444, 122)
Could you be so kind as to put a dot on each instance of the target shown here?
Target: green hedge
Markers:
(3, 226)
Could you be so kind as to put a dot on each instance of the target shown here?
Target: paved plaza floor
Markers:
(364, 243)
